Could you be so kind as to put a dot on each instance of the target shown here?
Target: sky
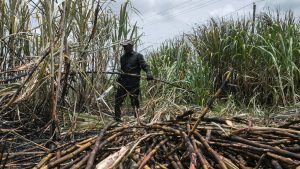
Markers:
(160, 20)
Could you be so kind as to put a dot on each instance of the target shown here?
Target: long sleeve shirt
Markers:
(133, 63)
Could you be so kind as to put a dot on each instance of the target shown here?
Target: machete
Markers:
(155, 79)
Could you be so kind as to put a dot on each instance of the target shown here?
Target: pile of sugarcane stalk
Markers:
(184, 142)
(215, 143)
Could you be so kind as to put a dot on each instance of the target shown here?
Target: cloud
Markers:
(160, 7)
(219, 12)
(284, 5)
(159, 10)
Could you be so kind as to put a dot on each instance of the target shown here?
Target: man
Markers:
(131, 63)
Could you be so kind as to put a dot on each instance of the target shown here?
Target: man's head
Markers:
(128, 46)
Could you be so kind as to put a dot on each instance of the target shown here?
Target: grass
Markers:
(265, 62)
(266, 65)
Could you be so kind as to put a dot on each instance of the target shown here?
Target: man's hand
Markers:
(149, 77)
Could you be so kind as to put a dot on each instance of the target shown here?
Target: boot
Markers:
(117, 117)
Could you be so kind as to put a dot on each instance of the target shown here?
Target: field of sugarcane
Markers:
(226, 94)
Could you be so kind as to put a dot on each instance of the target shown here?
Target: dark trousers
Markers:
(121, 94)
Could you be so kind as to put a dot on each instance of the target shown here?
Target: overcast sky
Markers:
(164, 19)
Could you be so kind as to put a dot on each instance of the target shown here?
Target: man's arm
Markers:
(145, 66)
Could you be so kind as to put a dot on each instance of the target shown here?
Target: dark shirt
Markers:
(133, 63)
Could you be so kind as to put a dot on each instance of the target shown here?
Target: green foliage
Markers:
(175, 61)
(83, 43)
(266, 62)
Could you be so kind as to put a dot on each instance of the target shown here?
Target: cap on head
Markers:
(127, 42)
